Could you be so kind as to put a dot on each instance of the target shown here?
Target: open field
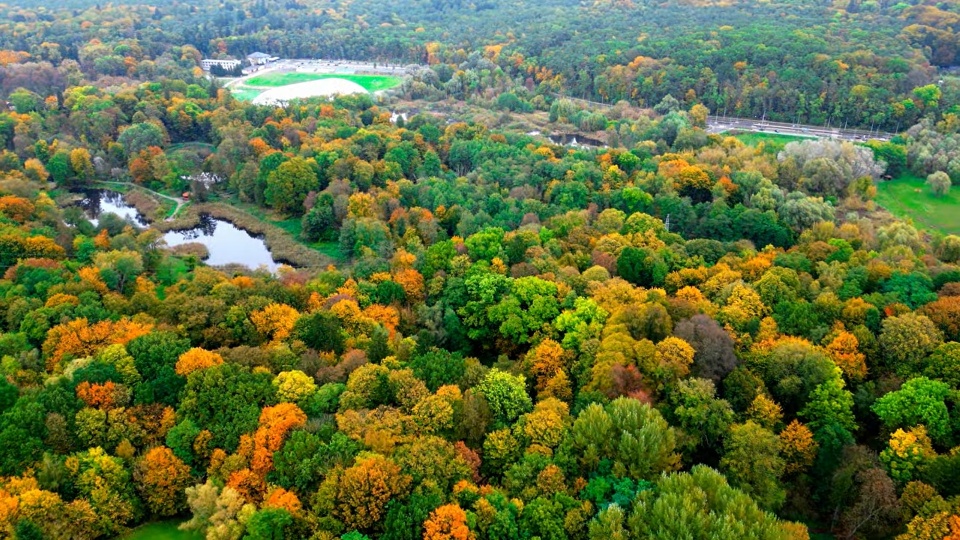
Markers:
(370, 83)
(245, 93)
(909, 197)
(163, 530)
(773, 142)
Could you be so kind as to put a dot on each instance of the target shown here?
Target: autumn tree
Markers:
(714, 354)
(364, 490)
(275, 321)
(798, 447)
(161, 480)
(196, 359)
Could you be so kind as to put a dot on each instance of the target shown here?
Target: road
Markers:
(716, 124)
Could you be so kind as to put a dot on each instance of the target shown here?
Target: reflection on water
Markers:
(97, 202)
(567, 139)
(226, 243)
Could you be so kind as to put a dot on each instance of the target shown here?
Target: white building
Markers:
(228, 65)
(258, 58)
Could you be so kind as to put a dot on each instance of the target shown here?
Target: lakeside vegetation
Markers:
(282, 245)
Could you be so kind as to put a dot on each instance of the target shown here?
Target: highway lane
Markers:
(723, 124)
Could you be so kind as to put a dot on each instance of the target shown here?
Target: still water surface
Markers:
(226, 243)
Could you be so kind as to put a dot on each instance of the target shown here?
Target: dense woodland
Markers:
(854, 63)
(678, 336)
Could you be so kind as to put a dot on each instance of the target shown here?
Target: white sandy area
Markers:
(323, 87)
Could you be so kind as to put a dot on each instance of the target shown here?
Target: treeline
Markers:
(869, 64)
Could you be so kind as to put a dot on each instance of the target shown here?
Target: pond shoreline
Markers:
(283, 249)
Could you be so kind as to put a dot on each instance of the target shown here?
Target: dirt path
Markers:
(179, 201)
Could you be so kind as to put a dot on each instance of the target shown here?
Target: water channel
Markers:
(226, 243)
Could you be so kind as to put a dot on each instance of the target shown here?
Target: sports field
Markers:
(909, 197)
(370, 83)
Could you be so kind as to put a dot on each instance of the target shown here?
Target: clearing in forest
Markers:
(909, 196)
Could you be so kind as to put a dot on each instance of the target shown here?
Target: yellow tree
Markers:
(365, 489)
(844, 350)
(448, 522)
(161, 478)
(798, 447)
(275, 322)
(196, 359)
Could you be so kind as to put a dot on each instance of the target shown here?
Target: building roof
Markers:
(258, 55)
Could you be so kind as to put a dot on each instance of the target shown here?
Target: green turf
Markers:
(163, 530)
(909, 197)
(370, 83)
(773, 142)
(244, 93)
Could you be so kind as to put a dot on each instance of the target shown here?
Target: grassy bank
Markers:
(293, 227)
(283, 247)
(909, 197)
(150, 207)
(370, 83)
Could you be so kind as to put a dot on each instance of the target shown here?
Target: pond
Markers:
(97, 202)
(572, 139)
(226, 243)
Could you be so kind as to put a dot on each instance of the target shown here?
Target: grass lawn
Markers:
(909, 197)
(371, 83)
(163, 530)
(244, 93)
(773, 142)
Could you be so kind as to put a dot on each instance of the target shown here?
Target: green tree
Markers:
(701, 505)
(155, 357)
(752, 462)
(919, 401)
(226, 399)
(289, 184)
(641, 267)
(629, 433)
(320, 330)
(939, 183)
(268, 524)
(139, 137)
(506, 395)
